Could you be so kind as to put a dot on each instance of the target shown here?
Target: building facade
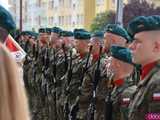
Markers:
(67, 14)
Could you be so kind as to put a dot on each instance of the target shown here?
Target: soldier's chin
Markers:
(134, 60)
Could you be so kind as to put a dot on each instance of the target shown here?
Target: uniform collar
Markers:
(119, 82)
(82, 55)
(146, 69)
(95, 57)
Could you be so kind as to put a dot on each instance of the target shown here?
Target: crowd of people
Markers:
(78, 75)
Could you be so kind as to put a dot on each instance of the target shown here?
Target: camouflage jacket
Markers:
(71, 90)
(146, 100)
(121, 97)
(87, 88)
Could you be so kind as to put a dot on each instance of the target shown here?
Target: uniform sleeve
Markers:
(154, 97)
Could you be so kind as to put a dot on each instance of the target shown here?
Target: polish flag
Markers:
(156, 96)
(17, 52)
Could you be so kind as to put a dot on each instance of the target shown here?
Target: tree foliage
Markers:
(102, 20)
(131, 10)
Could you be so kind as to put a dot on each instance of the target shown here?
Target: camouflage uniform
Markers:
(60, 72)
(146, 98)
(71, 91)
(30, 82)
(85, 97)
(37, 104)
(121, 97)
(52, 90)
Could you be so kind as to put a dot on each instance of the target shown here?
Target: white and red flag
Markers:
(15, 49)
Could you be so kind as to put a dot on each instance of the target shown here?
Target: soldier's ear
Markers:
(156, 46)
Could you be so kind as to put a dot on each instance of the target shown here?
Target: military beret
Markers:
(6, 20)
(48, 30)
(66, 34)
(42, 30)
(26, 33)
(118, 30)
(80, 29)
(142, 23)
(98, 34)
(56, 30)
(82, 35)
(34, 35)
(121, 53)
(157, 18)
(22, 33)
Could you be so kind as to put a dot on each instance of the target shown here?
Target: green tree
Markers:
(102, 20)
(131, 10)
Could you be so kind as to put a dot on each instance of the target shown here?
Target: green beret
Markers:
(42, 30)
(157, 18)
(56, 30)
(142, 23)
(22, 33)
(26, 33)
(118, 30)
(121, 53)
(80, 29)
(98, 34)
(48, 30)
(82, 35)
(6, 20)
(34, 35)
(66, 34)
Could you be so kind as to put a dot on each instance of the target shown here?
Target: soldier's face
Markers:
(67, 41)
(96, 44)
(78, 45)
(44, 38)
(59, 43)
(26, 37)
(142, 48)
(54, 36)
(111, 39)
(118, 67)
(22, 37)
(81, 45)
(32, 41)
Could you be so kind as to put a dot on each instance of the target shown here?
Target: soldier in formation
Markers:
(109, 75)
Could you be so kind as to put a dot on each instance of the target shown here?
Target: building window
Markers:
(39, 3)
(61, 2)
(74, 6)
(99, 2)
(74, 23)
(51, 20)
(39, 20)
(114, 3)
(51, 4)
(59, 20)
(82, 19)
(70, 3)
(62, 20)
(78, 19)
(70, 19)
